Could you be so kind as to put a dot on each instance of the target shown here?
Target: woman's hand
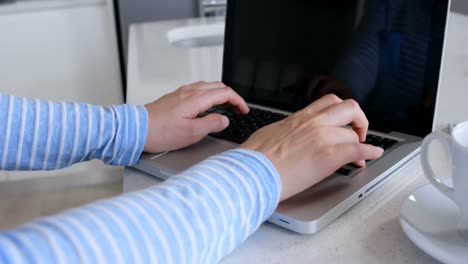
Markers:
(172, 119)
(311, 144)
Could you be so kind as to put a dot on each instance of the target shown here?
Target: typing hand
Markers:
(311, 144)
(172, 119)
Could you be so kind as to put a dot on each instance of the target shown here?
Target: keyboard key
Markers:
(343, 171)
(373, 140)
(378, 141)
(353, 165)
(387, 143)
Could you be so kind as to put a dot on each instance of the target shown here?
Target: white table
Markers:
(369, 232)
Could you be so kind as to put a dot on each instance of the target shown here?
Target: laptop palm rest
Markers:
(164, 165)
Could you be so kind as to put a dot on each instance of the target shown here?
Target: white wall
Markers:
(66, 52)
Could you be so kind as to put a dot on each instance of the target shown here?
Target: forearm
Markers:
(43, 135)
(198, 216)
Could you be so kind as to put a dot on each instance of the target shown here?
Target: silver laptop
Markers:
(281, 55)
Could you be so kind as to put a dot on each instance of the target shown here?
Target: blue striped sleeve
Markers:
(44, 135)
(199, 216)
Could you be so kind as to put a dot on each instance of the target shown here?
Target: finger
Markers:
(211, 123)
(357, 152)
(340, 135)
(220, 96)
(229, 106)
(345, 113)
(360, 163)
(207, 85)
(323, 103)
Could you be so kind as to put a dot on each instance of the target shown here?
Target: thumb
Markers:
(210, 124)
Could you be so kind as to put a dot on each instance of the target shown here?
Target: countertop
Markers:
(27, 195)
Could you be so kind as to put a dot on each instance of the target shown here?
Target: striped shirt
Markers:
(198, 216)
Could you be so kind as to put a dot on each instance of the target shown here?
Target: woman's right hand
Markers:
(311, 144)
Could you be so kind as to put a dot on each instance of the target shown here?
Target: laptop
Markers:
(281, 55)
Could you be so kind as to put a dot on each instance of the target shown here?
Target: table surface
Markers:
(27, 195)
(369, 232)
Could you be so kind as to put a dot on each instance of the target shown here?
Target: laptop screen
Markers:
(385, 54)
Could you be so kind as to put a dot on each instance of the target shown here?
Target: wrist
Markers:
(271, 171)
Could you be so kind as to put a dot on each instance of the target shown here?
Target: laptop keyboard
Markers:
(242, 126)
(383, 142)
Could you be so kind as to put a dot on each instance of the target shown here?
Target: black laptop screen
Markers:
(386, 54)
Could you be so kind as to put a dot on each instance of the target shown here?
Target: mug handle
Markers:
(427, 169)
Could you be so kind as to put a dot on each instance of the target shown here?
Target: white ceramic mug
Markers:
(456, 142)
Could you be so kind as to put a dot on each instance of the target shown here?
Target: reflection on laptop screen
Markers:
(386, 54)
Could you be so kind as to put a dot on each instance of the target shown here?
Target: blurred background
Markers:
(131, 11)
(77, 49)
(67, 41)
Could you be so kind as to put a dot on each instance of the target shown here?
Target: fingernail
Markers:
(379, 149)
(225, 121)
